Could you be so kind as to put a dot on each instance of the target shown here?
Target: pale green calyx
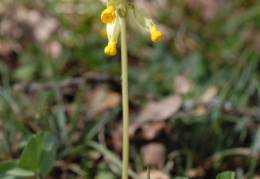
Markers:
(113, 30)
(142, 16)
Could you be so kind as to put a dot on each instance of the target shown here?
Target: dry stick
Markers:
(34, 87)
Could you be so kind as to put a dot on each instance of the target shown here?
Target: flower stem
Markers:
(124, 98)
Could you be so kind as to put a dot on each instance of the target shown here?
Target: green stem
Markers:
(124, 98)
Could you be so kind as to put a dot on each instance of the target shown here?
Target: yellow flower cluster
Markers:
(109, 17)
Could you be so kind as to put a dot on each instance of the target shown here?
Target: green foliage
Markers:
(36, 159)
(148, 173)
(223, 175)
(226, 175)
(105, 172)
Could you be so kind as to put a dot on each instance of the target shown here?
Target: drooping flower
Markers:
(108, 16)
(143, 18)
(113, 31)
(155, 34)
(110, 49)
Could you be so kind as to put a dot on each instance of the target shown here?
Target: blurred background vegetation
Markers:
(194, 96)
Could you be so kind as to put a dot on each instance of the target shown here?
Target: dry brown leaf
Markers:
(161, 110)
(209, 94)
(181, 84)
(154, 174)
(146, 131)
(45, 28)
(196, 172)
(154, 111)
(117, 140)
(28, 25)
(54, 49)
(153, 154)
(102, 100)
(200, 111)
(210, 9)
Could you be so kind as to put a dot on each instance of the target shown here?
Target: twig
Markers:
(76, 81)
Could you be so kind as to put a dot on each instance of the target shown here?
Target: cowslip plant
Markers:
(115, 16)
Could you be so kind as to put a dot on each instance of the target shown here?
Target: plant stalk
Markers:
(124, 98)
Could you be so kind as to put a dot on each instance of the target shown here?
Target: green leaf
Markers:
(109, 155)
(181, 178)
(39, 154)
(5, 166)
(25, 73)
(48, 154)
(30, 156)
(9, 170)
(226, 175)
(104, 171)
(18, 172)
(148, 172)
(7, 177)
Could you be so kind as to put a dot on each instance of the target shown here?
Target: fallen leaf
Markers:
(146, 131)
(153, 154)
(54, 49)
(45, 28)
(117, 139)
(181, 84)
(28, 26)
(154, 174)
(210, 8)
(209, 94)
(197, 172)
(102, 100)
(200, 111)
(161, 110)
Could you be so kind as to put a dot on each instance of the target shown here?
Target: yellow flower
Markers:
(111, 48)
(155, 34)
(143, 18)
(108, 16)
(113, 31)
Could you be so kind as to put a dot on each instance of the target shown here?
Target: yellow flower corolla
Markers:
(155, 34)
(111, 48)
(108, 16)
(113, 31)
